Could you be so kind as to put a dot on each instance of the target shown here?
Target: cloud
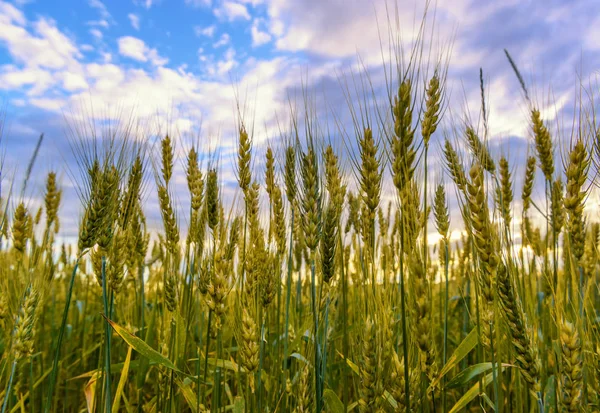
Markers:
(276, 27)
(136, 49)
(332, 29)
(147, 4)
(259, 37)
(99, 23)
(48, 47)
(48, 103)
(43, 58)
(232, 11)
(134, 19)
(101, 8)
(10, 14)
(96, 33)
(104, 77)
(254, 3)
(74, 81)
(226, 65)
(208, 31)
(198, 3)
(223, 41)
(12, 77)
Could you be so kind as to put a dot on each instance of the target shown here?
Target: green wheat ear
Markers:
(19, 229)
(571, 382)
(543, 144)
(25, 323)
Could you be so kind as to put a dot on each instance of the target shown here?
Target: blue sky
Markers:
(179, 64)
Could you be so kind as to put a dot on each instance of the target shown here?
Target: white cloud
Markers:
(136, 49)
(198, 3)
(147, 4)
(276, 27)
(12, 77)
(205, 31)
(99, 23)
(104, 77)
(10, 14)
(232, 11)
(228, 63)
(133, 47)
(254, 3)
(134, 19)
(200, 53)
(343, 28)
(96, 33)
(592, 37)
(48, 48)
(100, 7)
(48, 103)
(223, 41)
(74, 81)
(45, 55)
(259, 37)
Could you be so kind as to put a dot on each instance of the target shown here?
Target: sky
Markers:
(180, 66)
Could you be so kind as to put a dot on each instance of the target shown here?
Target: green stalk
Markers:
(278, 314)
(372, 248)
(107, 340)
(187, 302)
(142, 298)
(61, 334)
(198, 362)
(425, 219)
(206, 354)
(404, 329)
(218, 370)
(31, 386)
(494, 372)
(299, 300)
(9, 388)
(446, 299)
(324, 340)
(318, 378)
(345, 343)
(582, 318)
(465, 326)
(172, 356)
(286, 370)
(141, 331)
(241, 277)
(582, 292)
(261, 350)
(288, 296)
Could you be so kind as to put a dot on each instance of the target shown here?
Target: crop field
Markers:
(349, 271)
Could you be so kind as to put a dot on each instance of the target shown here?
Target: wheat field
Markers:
(335, 279)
